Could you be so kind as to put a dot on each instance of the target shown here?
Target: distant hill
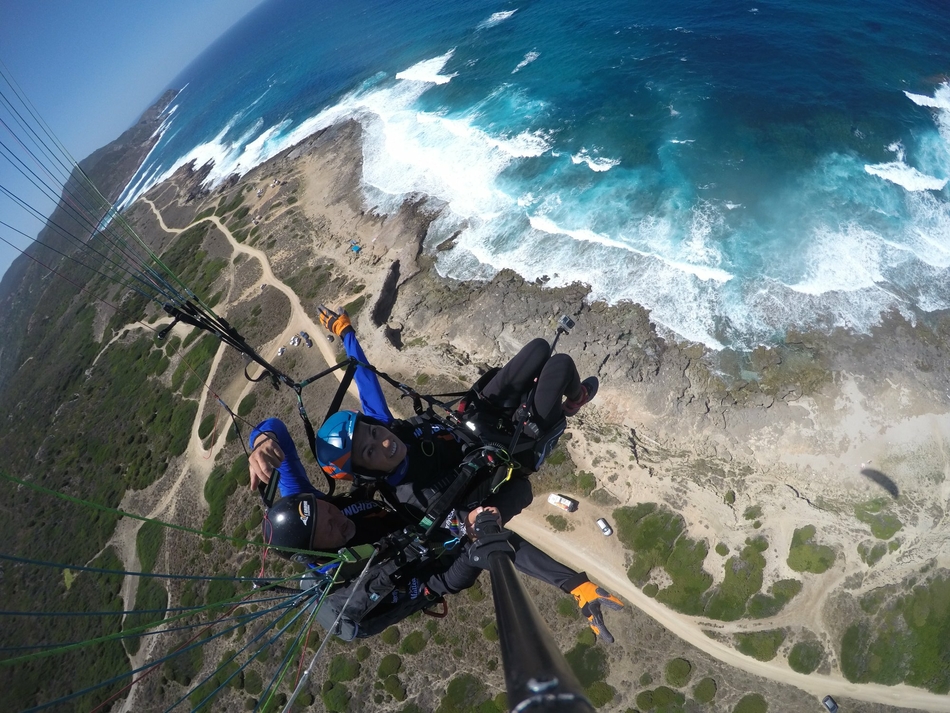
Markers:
(110, 168)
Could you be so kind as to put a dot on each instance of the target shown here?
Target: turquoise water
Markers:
(739, 168)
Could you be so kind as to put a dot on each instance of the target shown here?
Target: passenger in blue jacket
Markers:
(414, 462)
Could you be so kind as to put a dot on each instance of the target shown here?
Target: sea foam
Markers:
(495, 18)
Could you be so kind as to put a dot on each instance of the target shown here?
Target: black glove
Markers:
(489, 538)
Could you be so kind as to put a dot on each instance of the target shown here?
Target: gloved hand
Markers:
(338, 324)
(590, 598)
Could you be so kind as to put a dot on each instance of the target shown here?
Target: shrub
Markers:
(883, 524)
(761, 645)
(567, 608)
(558, 522)
(394, 687)
(413, 644)
(805, 656)
(362, 653)
(678, 672)
(751, 703)
(730, 497)
(389, 666)
(247, 404)
(586, 482)
(752, 513)
(462, 694)
(148, 542)
(342, 668)
(204, 428)
(722, 549)
(705, 690)
(253, 683)
(335, 698)
(743, 578)
(390, 636)
(805, 556)
(600, 693)
(588, 663)
(762, 605)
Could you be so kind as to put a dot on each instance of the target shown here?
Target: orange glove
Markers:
(590, 598)
(338, 324)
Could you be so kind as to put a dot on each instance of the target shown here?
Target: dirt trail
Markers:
(198, 463)
(601, 563)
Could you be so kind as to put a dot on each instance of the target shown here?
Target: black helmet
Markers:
(290, 522)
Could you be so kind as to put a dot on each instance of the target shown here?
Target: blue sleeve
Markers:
(293, 476)
(372, 401)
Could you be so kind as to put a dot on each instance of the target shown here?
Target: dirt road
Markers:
(588, 554)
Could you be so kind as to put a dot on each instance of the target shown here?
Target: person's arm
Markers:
(372, 401)
(270, 441)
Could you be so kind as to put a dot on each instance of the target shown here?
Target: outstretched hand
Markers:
(337, 323)
(265, 457)
(591, 598)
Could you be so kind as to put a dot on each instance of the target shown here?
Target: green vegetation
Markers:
(722, 549)
(752, 513)
(705, 690)
(151, 600)
(600, 693)
(589, 663)
(225, 207)
(743, 579)
(651, 589)
(247, 405)
(393, 686)
(780, 593)
(221, 484)
(751, 703)
(730, 497)
(335, 697)
(343, 668)
(661, 699)
(883, 524)
(390, 636)
(559, 522)
(567, 608)
(413, 644)
(586, 482)
(761, 645)
(389, 666)
(206, 426)
(906, 639)
(805, 656)
(678, 672)
(353, 308)
(872, 554)
(463, 694)
(806, 556)
(490, 631)
(148, 542)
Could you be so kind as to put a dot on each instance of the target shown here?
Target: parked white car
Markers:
(563, 502)
(605, 527)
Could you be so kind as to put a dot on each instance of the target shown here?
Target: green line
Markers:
(171, 526)
(127, 632)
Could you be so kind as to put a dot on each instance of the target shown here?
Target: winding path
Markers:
(573, 551)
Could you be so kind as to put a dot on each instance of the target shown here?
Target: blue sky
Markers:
(91, 67)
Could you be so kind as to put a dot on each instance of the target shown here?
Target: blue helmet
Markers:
(335, 444)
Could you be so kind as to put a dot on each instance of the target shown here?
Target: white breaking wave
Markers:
(428, 70)
(495, 18)
(906, 176)
(528, 59)
(597, 163)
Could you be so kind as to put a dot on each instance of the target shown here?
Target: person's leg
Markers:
(516, 377)
(558, 378)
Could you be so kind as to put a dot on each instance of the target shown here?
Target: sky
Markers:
(91, 67)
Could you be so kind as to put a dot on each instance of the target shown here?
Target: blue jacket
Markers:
(293, 475)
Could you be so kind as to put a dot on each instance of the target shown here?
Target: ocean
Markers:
(740, 168)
